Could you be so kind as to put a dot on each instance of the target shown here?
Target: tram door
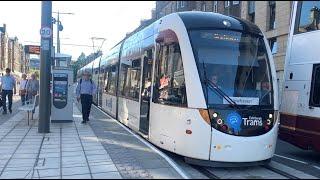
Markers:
(145, 94)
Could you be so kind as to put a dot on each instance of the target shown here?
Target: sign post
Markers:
(45, 66)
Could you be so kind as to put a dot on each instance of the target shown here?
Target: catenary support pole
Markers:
(45, 63)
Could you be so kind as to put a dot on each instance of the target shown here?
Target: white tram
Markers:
(199, 84)
(300, 107)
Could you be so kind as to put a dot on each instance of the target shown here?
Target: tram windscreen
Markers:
(237, 63)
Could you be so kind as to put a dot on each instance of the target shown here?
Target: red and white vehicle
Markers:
(300, 107)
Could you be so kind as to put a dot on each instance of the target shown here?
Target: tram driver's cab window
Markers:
(308, 16)
(169, 87)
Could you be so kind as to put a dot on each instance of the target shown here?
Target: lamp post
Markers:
(59, 27)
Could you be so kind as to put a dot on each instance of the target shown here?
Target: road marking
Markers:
(167, 158)
(291, 159)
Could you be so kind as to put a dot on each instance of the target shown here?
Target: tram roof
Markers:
(198, 19)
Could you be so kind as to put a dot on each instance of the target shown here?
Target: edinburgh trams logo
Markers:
(253, 121)
(234, 120)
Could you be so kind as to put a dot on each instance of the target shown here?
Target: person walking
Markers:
(85, 90)
(32, 88)
(8, 85)
(23, 89)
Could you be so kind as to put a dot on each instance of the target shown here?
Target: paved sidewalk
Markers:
(15, 105)
(132, 158)
(71, 150)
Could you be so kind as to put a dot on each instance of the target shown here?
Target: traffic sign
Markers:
(45, 32)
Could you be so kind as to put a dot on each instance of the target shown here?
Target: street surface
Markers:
(299, 163)
(66, 153)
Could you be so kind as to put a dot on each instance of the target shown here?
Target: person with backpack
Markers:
(85, 91)
(23, 89)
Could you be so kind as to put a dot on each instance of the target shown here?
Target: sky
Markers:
(104, 19)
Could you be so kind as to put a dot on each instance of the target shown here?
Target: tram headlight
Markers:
(215, 115)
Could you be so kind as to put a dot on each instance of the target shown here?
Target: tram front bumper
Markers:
(229, 148)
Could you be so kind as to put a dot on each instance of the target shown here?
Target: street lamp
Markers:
(59, 27)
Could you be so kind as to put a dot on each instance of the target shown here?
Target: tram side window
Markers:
(308, 16)
(315, 88)
(112, 80)
(169, 85)
(130, 79)
(106, 74)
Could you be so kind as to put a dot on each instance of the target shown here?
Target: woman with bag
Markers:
(32, 87)
(23, 89)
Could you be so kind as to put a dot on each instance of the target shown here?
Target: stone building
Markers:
(3, 48)
(11, 53)
(272, 17)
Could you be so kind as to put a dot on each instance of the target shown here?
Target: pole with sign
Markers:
(45, 66)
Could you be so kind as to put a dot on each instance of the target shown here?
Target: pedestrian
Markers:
(8, 85)
(85, 90)
(23, 89)
(32, 88)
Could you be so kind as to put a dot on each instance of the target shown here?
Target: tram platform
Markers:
(101, 149)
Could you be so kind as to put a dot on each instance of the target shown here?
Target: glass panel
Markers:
(182, 3)
(315, 95)
(203, 8)
(272, 18)
(309, 16)
(251, 8)
(273, 45)
(130, 79)
(226, 3)
(235, 2)
(215, 6)
(112, 79)
(169, 82)
(237, 63)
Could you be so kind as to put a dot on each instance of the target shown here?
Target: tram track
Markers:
(208, 172)
(281, 172)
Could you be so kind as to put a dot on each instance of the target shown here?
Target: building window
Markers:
(235, 2)
(182, 4)
(272, 15)
(273, 45)
(215, 6)
(226, 4)
(315, 87)
(251, 10)
(172, 7)
(203, 7)
(308, 16)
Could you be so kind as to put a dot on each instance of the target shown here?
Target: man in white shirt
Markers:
(8, 84)
(23, 89)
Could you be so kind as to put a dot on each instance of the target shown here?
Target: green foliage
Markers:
(83, 60)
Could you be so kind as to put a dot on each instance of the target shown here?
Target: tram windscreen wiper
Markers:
(215, 87)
